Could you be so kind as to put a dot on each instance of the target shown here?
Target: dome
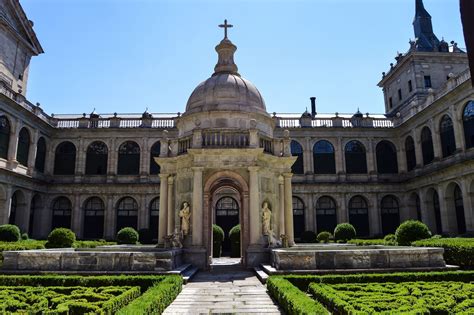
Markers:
(226, 91)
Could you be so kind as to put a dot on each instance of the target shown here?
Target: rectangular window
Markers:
(427, 81)
(410, 86)
(390, 102)
(399, 94)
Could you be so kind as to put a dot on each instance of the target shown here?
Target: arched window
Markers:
(410, 153)
(65, 159)
(127, 213)
(34, 214)
(94, 218)
(129, 159)
(390, 215)
(23, 147)
(459, 206)
(96, 158)
(297, 150)
(4, 137)
(427, 146)
(298, 217)
(62, 209)
(418, 208)
(437, 212)
(40, 155)
(155, 152)
(326, 219)
(155, 216)
(323, 158)
(446, 132)
(359, 215)
(468, 123)
(13, 209)
(387, 162)
(356, 162)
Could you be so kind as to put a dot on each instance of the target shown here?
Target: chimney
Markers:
(313, 106)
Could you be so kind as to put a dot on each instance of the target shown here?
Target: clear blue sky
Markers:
(126, 55)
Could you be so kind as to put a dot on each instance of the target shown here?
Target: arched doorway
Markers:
(218, 188)
(227, 216)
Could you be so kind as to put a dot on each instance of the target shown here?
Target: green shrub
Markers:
(156, 298)
(291, 299)
(390, 239)
(60, 238)
(367, 242)
(127, 235)
(457, 251)
(411, 231)
(344, 232)
(92, 244)
(25, 237)
(308, 237)
(217, 239)
(146, 236)
(323, 237)
(234, 235)
(9, 233)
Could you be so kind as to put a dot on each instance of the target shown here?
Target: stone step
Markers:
(189, 273)
(261, 274)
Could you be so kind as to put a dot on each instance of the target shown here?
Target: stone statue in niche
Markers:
(266, 219)
(185, 215)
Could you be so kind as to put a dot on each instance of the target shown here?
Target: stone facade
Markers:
(226, 144)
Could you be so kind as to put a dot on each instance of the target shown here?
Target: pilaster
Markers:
(289, 209)
(196, 215)
(254, 205)
(163, 216)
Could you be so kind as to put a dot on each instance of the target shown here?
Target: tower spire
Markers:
(225, 51)
(426, 40)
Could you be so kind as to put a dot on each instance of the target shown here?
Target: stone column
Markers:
(163, 218)
(371, 157)
(438, 154)
(339, 156)
(32, 152)
(307, 156)
(80, 158)
(143, 216)
(418, 152)
(289, 209)
(76, 223)
(467, 203)
(196, 211)
(110, 219)
(13, 144)
(425, 215)
(458, 129)
(50, 155)
(111, 158)
(23, 217)
(254, 218)
(43, 219)
(281, 205)
(444, 210)
(144, 159)
(342, 212)
(401, 157)
(171, 212)
(374, 216)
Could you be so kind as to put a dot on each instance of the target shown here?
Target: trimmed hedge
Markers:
(127, 235)
(344, 232)
(396, 298)
(302, 281)
(410, 231)
(217, 239)
(234, 235)
(367, 242)
(323, 237)
(60, 238)
(156, 298)
(159, 291)
(291, 299)
(9, 233)
(457, 251)
(92, 244)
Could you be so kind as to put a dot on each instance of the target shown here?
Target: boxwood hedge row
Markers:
(457, 251)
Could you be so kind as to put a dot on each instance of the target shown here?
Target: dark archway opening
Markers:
(227, 216)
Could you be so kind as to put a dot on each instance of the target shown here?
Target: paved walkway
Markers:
(223, 291)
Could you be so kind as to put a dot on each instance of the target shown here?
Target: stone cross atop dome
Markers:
(225, 51)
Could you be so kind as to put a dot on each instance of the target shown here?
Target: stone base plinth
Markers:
(107, 258)
(324, 257)
(256, 256)
(197, 256)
